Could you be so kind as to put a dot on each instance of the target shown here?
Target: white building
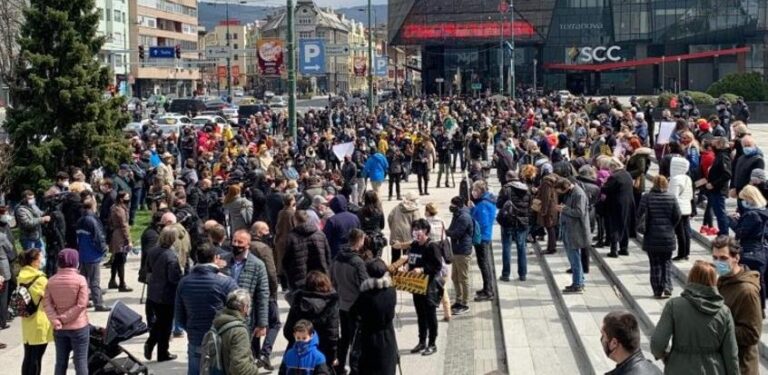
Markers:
(114, 24)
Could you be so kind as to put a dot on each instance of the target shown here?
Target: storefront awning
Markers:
(645, 61)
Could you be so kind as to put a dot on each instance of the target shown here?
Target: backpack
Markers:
(446, 250)
(211, 361)
(477, 233)
(21, 302)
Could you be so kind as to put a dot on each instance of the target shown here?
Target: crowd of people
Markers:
(241, 217)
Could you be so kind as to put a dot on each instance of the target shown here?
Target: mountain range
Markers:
(210, 14)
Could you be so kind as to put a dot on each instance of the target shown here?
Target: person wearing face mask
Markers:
(29, 219)
(740, 288)
(750, 232)
(92, 245)
(460, 232)
(744, 165)
(424, 258)
(261, 246)
(716, 187)
(620, 338)
(701, 328)
(659, 213)
(61, 185)
(250, 273)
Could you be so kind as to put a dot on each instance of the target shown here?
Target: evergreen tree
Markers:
(61, 117)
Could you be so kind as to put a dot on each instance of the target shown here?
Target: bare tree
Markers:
(11, 17)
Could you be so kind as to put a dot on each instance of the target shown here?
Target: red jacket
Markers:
(707, 158)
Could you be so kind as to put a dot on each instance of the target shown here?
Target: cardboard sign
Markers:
(665, 132)
(343, 149)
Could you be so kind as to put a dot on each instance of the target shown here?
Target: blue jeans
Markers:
(574, 258)
(518, 235)
(717, 200)
(75, 340)
(193, 363)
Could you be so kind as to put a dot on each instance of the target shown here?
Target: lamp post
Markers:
(290, 12)
(229, 56)
(370, 58)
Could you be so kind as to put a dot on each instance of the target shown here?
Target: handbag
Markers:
(536, 205)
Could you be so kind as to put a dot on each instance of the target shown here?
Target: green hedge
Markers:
(664, 99)
(700, 98)
(751, 86)
(730, 98)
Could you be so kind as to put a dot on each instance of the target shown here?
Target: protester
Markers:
(371, 217)
(424, 258)
(659, 211)
(164, 275)
(236, 357)
(681, 187)
(749, 228)
(338, 227)
(400, 219)
(740, 289)
(620, 337)
(306, 250)
(619, 197)
(304, 357)
(574, 222)
(718, 182)
(66, 302)
(92, 245)
(484, 213)
(36, 329)
(697, 318)
(120, 241)
(461, 232)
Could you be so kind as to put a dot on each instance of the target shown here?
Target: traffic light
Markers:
(178, 51)
(141, 52)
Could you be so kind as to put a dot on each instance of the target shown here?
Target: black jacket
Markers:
(322, 309)
(505, 161)
(273, 206)
(149, 239)
(164, 273)
(378, 343)
(306, 250)
(661, 216)
(636, 364)
(720, 172)
(620, 200)
(347, 273)
(520, 196)
(743, 170)
(460, 232)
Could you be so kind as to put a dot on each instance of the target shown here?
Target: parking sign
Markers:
(381, 66)
(312, 56)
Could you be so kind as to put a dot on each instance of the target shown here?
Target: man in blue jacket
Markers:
(375, 169)
(342, 222)
(200, 295)
(484, 212)
(92, 245)
(460, 231)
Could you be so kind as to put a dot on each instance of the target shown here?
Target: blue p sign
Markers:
(311, 56)
(381, 66)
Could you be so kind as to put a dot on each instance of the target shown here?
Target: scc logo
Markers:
(596, 54)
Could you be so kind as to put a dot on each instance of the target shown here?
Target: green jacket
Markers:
(702, 332)
(236, 344)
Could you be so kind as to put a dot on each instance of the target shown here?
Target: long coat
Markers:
(121, 232)
(285, 224)
(741, 293)
(619, 201)
(575, 219)
(547, 216)
(377, 340)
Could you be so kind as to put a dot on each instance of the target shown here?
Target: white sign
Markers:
(439, 80)
(344, 149)
(599, 54)
(665, 132)
(337, 50)
(217, 52)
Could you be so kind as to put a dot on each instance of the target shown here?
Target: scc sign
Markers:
(599, 54)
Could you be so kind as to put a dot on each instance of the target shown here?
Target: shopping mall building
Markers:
(585, 46)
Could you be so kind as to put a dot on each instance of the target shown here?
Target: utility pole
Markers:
(512, 63)
(370, 58)
(229, 56)
(290, 12)
(501, 51)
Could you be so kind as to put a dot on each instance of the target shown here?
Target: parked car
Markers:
(173, 119)
(277, 102)
(200, 121)
(245, 112)
(132, 103)
(184, 106)
(216, 104)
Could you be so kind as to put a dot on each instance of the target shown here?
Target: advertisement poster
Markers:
(221, 71)
(270, 52)
(360, 66)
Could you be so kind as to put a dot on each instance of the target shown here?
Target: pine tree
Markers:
(61, 117)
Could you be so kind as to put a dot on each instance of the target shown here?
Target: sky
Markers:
(325, 3)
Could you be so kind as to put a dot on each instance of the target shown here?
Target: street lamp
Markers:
(229, 56)
(370, 58)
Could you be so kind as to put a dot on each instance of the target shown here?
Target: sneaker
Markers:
(455, 305)
(429, 350)
(705, 229)
(124, 289)
(569, 270)
(612, 255)
(483, 297)
(667, 293)
(459, 310)
(679, 258)
(421, 346)
(504, 278)
(575, 289)
(102, 308)
(713, 231)
(265, 363)
(521, 278)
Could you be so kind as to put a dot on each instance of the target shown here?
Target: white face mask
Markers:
(31, 201)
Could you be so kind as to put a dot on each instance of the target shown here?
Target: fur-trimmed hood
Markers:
(381, 283)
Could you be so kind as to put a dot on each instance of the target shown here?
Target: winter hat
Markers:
(758, 175)
(68, 258)
(704, 126)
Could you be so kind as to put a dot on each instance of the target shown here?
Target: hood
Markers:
(314, 302)
(372, 284)
(586, 179)
(745, 276)
(306, 229)
(704, 298)
(487, 196)
(643, 151)
(339, 204)
(225, 316)
(346, 254)
(517, 185)
(305, 347)
(27, 273)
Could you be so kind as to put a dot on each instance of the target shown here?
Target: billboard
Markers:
(270, 53)
(360, 66)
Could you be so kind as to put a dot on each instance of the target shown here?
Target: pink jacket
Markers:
(66, 300)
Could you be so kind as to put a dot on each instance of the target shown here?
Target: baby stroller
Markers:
(105, 355)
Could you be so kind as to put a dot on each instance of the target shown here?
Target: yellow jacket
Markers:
(35, 329)
(383, 146)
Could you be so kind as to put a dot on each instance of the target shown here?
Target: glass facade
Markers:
(585, 45)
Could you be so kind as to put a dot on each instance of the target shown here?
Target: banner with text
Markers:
(270, 53)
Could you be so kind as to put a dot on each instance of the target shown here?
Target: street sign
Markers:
(439, 80)
(217, 52)
(381, 66)
(477, 86)
(311, 56)
(162, 52)
(337, 50)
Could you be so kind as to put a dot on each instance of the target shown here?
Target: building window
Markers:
(305, 34)
(109, 15)
(235, 57)
(321, 34)
(234, 35)
(117, 16)
(234, 46)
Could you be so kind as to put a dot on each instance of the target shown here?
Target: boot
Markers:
(112, 284)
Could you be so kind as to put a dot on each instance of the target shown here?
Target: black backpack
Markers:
(512, 216)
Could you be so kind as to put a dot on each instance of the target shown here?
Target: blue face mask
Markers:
(723, 268)
(750, 151)
(745, 204)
